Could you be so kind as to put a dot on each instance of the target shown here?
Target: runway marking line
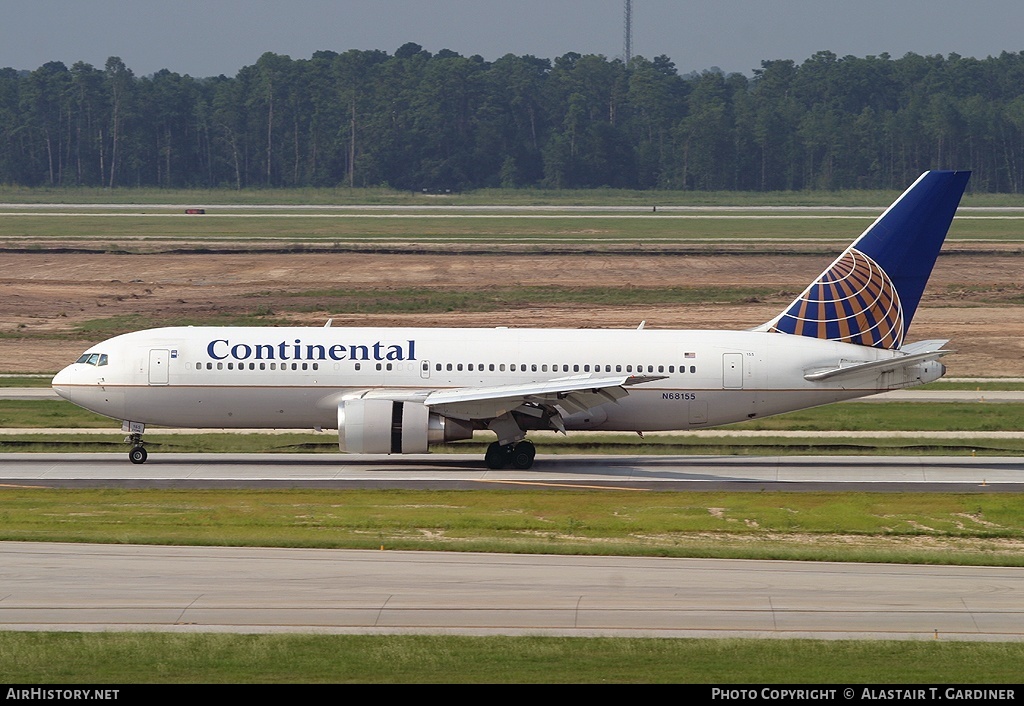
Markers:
(563, 485)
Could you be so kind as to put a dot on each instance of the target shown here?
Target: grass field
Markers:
(137, 658)
(481, 197)
(921, 528)
(126, 231)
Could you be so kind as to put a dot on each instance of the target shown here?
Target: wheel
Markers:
(523, 454)
(138, 455)
(496, 457)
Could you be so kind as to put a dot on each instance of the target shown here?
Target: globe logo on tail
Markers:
(854, 301)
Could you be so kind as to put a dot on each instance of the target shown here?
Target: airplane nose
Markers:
(64, 377)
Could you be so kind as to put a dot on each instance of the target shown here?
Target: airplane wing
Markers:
(914, 353)
(573, 394)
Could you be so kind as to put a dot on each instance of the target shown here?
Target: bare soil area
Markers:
(974, 298)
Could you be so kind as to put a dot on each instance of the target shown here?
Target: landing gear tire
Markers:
(523, 454)
(518, 456)
(138, 455)
(497, 456)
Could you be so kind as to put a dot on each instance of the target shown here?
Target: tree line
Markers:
(420, 120)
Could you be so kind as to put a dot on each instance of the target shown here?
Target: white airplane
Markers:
(399, 390)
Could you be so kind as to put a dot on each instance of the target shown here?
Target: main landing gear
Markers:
(518, 455)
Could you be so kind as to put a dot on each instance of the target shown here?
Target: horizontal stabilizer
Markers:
(916, 347)
(874, 366)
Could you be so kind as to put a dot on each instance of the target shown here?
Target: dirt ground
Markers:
(975, 296)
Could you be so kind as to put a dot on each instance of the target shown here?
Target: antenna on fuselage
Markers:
(329, 322)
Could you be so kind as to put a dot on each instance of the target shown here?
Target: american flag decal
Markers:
(854, 301)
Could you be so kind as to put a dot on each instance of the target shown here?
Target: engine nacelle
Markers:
(377, 426)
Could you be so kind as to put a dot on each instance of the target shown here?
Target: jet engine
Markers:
(375, 426)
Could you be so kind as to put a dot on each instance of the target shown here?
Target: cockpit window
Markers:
(93, 359)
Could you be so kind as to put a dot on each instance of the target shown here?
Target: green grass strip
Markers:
(928, 528)
(145, 658)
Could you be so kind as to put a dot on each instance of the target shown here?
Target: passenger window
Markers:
(358, 366)
(693, 368)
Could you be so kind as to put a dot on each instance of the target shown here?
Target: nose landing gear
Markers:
(138, 452)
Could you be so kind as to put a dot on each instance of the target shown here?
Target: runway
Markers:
(459, 471)
(84, 587)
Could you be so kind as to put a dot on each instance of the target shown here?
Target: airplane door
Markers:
(425, 369)
(159, 359)
(732, 371)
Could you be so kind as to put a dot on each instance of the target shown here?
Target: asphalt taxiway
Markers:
(88, 587)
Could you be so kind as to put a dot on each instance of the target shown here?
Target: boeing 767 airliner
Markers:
(399, 390)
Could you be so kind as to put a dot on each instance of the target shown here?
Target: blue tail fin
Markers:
(868, 296)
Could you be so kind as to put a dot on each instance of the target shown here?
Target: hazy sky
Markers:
(210, 37)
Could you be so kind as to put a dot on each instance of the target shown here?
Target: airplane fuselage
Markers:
(289, 378)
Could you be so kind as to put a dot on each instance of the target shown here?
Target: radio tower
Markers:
(627, 33)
